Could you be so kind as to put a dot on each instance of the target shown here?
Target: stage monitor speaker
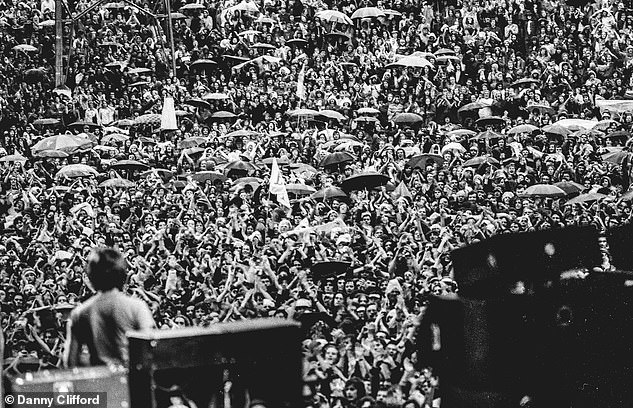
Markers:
(110, 382)
(230, 363)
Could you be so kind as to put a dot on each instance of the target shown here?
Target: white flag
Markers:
(278, 185)
(168, 117)
(301, 89)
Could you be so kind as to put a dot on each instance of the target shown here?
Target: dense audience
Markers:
(399, 135)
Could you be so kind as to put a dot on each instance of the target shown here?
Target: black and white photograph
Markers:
(316, 203)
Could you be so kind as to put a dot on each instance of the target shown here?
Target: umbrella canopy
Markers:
(487, 135)
(527, 128)
(423, 160)
(619, 134)
(240, 165)
(25, 48)
(366, 119)
(364, 181)
(332, 114)
(240, 183)
(149, 119)
(412, 61)
(556, 130)
(473, 106)
(453, 147)
(628, 196)
(198, 103)
(264, 46)
(302, 113)
(461, 133)
(82, 124)
(368, 111)
(46, 122)
(525, 82)
(117, 182)
(300, 189)
(481, 160)
(605, 124)
(204, 176)
(115, 137)
(368, 12)
(281, 161)
(334, 16)
(51, 154)
(407, 118)
(490, 121)
(129, 165)
(137, 71)
(300, 168)
(545, 191)
(242, 133)
(297, 41)
(163, 173)
(66, 142)
(76, 170)
(329, 193)
(444, 51)
(540, 108)
(12, 158)
(203, 63)
(192, 6)
(442, 59)
(215, 96)
(570, 187)
(327, 269)
(220, 115)
(337, 158)
(616, 157)
(586, 198)
(192, 142)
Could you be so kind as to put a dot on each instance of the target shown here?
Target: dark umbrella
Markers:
(297, 41)
(490, 121)
(619, 134)
(479, 160)
(322, 270)
(586, 198)
(616, 157)
(329, 193)
(333, 159)
(525, 82)
(198, 103)
(220, 115)
(300, 189)
(204, 176)
(364, 181)
(487, 135)
(407, 117)
(422, 160)
(203, 63)
(240, 165)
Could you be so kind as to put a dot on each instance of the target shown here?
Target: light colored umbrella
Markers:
(25, 48)
(407, 117)
(223, 115)
(137, 71)
(334, 16)
(241, 133)
(527, 128)
(544, 191)
(46, 121)
(51, 154)
(556, 130)
(192, 6)
(246, 6)
(215, 96)
(148, 119)
(570, 187)
(586, 198)
(368, 12)
(249, 32)
(12, 158)
(368, 111)
(76, 170)
(192, 142)
(332, 114)
(302, 112)
(453, 147)
(115, 137)
(203, 63)
(411, 61)
(204, 176)
(65, 142)
(117, 182)
(300, 189)
(129, 165)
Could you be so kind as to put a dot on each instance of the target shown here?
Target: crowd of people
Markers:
(326, 158)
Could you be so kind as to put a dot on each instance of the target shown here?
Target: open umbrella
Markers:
(25, 48)
(149, 119)
(241, 133)
(605, 124)
(222, 115)
(300, 189)
(115, 137)
(473, 106)
(487, 135)
(442, 59)
(490, 121)
(204, 176)
(334, 159)
(264, 46)
(129, 165)
(12, 158)
(628, 196)
(197, 103)
(302, 168)
(407, 117)
(459, 133)
(192, 6)
(525, 82)
(327, 269)
(585, 198)
(453, 147)
(332, 114)
(215, 96)
(368, 12)
(65, 142)
(329, 193)
(203, 63)
(302, 113)
(368, 111)
(540, 108)
(76, 170)
(544, 191)
(333, 16)
(51, 154)
(616, 157)
(46, 122)
(123, 123)
(117, 182)
(192, 142)
(240, 165)
(411, 61)
(364, 181)
(83, 123)
(480, 160)
(297, 41)
(423, 160)
(281, 161)
(556, 130)
(570, 187)
(163, 173)
(444, 51)
(619, 134)
(526, 128)
(366, 119)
